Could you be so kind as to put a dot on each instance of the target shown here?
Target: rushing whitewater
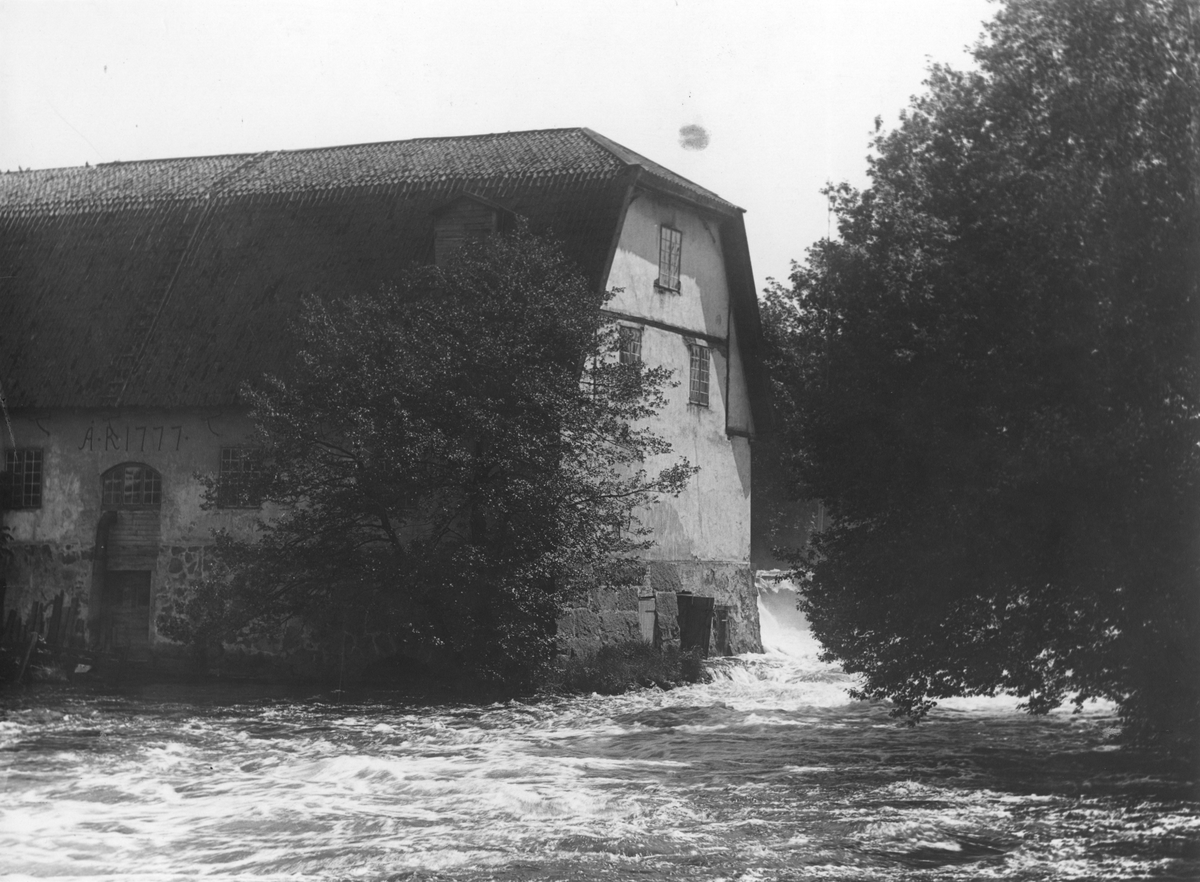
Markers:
(769, 771)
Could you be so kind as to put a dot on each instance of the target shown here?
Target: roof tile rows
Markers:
(171, 282)
(510, 155)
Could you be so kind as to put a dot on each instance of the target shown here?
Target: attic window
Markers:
(22, 478)
(465, 219)
(670, 247)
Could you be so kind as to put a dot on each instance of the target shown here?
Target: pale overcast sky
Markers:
(787, 89)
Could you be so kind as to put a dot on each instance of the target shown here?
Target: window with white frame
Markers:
(22, 478)
(670, 248)
(698, 384)
(630, 345)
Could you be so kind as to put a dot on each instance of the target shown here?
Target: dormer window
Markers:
(465, 218)
(670, 247)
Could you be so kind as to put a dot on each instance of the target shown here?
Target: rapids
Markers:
(768, 772)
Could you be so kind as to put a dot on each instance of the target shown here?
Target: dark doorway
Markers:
(695, 622)
(125, 614)
(127, 548)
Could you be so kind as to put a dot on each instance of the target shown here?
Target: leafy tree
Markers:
(449, 458)
(991, 377)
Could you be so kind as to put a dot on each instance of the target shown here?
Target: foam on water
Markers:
(770, 770)
(784, 628)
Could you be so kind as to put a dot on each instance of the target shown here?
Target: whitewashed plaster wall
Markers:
(79, 445)
(710, 520)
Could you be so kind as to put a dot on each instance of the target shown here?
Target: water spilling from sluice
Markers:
(767, 772)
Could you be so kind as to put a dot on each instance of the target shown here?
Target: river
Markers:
(768, 772)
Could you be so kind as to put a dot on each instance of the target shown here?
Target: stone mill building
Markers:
(135, 299)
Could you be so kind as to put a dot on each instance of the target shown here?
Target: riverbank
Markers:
(768, 771)
(611, 670)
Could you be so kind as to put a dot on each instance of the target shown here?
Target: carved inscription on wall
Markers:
(137, 439)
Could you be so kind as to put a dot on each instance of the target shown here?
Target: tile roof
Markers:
(417, 163)
(165, 283)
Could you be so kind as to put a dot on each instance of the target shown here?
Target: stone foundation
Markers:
(42, 575)
(651, 609)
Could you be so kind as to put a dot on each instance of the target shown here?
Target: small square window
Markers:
(240, 469)
(698, 386)
(670, 247)
(22, 478)
(630, 345)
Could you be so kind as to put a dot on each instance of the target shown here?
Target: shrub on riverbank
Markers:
(621, 667)
(991, 379)
(444, 459)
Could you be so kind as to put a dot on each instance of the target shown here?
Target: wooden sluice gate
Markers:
(51, 637)
(694, 622)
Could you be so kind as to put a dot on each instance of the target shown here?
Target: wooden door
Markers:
(695, 622)
(125, 616)
(646, 616)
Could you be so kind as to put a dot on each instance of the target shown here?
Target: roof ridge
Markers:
(252, 159)
(294, 150)
(574, 153)
(657, 169)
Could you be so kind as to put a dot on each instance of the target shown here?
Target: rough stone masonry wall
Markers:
(38, 573)
(290, 654)
(41, 572)
(610, 615)
(605, 615)
(181, 567)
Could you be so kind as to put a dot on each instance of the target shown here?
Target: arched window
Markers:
(131, 485)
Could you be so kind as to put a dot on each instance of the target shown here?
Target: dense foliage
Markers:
(991, 377)
(449, 459)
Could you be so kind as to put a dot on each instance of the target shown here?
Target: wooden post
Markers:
(33, 639)
(52, 633)
(67, 634)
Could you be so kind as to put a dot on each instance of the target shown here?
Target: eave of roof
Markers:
(168, 282)
(417, 162)
(662, 178)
